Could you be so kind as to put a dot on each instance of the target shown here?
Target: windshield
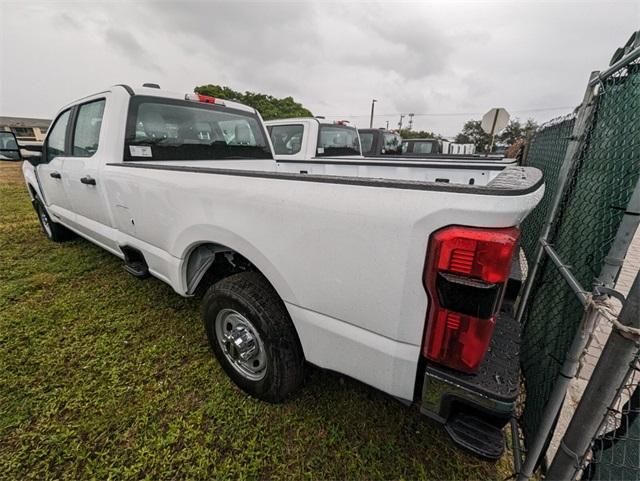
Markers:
(169, 129)
(366, 140)
(337, 140)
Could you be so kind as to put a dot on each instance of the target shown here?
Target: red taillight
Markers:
(481, 254)
(461, 260)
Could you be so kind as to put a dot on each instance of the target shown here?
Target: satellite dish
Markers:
(495, 120)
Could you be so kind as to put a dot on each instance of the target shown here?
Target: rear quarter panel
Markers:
(352, 253)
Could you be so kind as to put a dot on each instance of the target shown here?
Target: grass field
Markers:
(106, 376)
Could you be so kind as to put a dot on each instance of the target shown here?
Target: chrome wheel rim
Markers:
(44, 221)
(241, 344)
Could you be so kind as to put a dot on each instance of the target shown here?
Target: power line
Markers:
(454, 114)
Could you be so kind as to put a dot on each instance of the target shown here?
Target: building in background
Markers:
(26, 130)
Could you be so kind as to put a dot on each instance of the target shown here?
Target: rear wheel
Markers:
(51, 229)
(253, 337)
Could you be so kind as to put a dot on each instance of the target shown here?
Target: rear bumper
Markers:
(491, 393)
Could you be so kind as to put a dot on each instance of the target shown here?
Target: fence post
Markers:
(572, 361)
(571, 156)
(608, 375)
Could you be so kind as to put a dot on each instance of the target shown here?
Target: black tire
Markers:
(53, 230)
(250, 295)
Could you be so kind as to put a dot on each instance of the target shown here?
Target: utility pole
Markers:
(402, 116)
(411, 121)
(373, 104)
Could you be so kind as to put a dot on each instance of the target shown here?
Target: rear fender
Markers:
(224, 240)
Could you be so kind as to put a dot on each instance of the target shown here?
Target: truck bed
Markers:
(487, 179)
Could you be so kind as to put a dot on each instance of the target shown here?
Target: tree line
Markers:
(515, 130)
(271, 107)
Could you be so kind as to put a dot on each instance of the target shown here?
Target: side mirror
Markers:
(9, 148)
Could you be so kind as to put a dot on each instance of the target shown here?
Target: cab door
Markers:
(49, 172)
(82, 173)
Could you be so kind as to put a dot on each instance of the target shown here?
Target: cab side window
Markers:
(87, 129)
(57, 137)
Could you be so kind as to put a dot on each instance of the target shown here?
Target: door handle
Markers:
(55, 175)
(88, 180)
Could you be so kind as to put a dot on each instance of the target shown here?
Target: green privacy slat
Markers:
(599, 190)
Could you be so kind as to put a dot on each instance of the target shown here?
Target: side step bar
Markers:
(134, 262)
(475, 435)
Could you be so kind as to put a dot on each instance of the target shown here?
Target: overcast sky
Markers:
(444, 61)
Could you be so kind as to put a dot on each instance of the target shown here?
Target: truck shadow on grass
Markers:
(106, 375)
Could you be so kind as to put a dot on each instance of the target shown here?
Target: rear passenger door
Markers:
(82, 172)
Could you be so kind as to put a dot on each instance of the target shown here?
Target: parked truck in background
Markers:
(383, 143)
(455, 148)
(421, 146)
(380, 142)
(382, 272)
(310, 138)
(9, 149)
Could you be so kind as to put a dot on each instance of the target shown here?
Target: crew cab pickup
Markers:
(309, 138)
(379, 272)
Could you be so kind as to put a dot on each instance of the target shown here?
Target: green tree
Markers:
(472, 133)
(515, 130)
(530, 127)
(511, 133)
(418, 134)
(269, 107)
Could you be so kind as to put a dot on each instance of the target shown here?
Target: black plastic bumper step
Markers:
(473, 434)
(137, 269)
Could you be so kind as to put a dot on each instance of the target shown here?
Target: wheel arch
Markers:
(204, 244)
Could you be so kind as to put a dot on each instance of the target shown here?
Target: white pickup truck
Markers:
(309, 138)
(380, 272)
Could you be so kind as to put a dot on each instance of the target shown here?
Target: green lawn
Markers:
(106, 376)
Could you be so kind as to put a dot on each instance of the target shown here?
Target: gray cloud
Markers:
(334, 57)
(126, 44)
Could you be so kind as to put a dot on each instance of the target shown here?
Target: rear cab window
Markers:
(392, 143)
(366, 141)
(286, 139)
(171, 129)
(423, 147)
(336, 139)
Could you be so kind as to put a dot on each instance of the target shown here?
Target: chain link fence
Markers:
(599, 185)
(546, 152)
(615, 451)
